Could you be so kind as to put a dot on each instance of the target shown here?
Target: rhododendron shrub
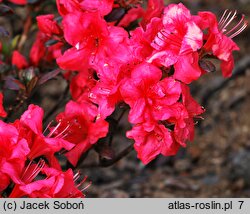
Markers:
(116, 57)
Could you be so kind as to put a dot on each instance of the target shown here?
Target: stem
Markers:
(26, 29)
(58, 104)
(108, 163)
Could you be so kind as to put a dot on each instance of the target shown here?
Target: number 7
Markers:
(241, 203)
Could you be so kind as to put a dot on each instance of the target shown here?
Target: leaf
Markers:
(207, 65)
(5, 10)
(13, 84)
(33, 1)
(106, 153)
(4, 32)
(51, 42)
(115, 14)
(15, 41)
(48, 76)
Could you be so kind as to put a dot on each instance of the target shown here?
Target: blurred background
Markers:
(217, 162)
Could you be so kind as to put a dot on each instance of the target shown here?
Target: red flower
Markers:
(70, 6)
(177, 43)
(93, 41)
(154, 9)
(219, 38)
(40, 52)
(184, 117)
(19, 60)
(147, 95)
(103, 6)
(30, 128)
(83, 131)
(57, 184)
(149, 144)
(2, 111)
(20, 2)
(13, 154)
(48, 25)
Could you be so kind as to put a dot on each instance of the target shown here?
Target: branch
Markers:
(108, 163)
(58, 104)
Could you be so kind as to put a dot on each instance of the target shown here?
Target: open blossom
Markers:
(70, 6)
(219, 37)
(83, 131)
(30, 128)
(2, 111)
(56, 184)
(183, 117)
(177, 43)
(149, 144)
(93, 41)
(13, 154)
(147, 95)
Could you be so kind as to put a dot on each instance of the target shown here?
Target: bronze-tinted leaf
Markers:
(13, 84)
(51, 42)
(48, 76)
(115, 14)
(207, 65)
(5, 10)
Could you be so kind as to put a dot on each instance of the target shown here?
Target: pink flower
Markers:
(93, 41)
(2, 111)
(19, 60)
(147, 96)
(13, 154)
(219, 38)
(149, 144)
(84, 128)
(177, 43)
(30, 128)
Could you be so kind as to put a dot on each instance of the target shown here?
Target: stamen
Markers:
(47, 127)
(240, 30)
(83, 189)
(227, 19)
(62, 133)
(29, 173)
(222, 18)
(163, 37)
(54, 130)
(77, 177)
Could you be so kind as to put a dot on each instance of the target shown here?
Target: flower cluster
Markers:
(148, 68)
(109, 63)
(24, 149)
